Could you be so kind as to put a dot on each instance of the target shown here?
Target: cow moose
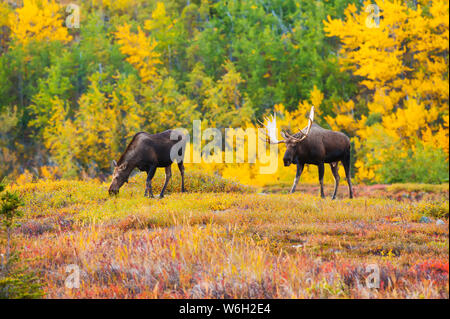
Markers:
(147, 152)
(314, 145)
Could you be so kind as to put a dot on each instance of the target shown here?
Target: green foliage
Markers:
(10, 203)
(422, 165)
(374, 118)
(278, 46)
(19, 283)
(435, 210)
(15, 282)
(9, 120)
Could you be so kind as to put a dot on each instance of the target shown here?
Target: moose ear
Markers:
(123, 165)
(283, 135)
(114, 163)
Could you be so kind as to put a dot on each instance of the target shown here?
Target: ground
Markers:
(225, 240)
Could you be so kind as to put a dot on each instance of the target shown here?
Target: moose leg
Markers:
(346, 163)
(297, 176)
(168, 175)
(321, 172)
(181, 167)
(334, 170)
(148, 184)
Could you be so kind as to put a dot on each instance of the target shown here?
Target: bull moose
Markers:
(314, 145)
(147, 152)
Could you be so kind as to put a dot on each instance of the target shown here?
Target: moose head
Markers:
(292, 141)
(119, 177)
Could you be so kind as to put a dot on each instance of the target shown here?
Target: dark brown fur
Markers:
(319, 147)
(147, 152)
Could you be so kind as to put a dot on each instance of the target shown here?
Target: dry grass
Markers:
(222, 240)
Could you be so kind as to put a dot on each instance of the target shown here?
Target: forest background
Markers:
(79, 78)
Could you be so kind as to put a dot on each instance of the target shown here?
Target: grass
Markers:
(225, 240)
(428, 188)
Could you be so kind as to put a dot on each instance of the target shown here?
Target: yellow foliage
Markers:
(344, 119)
(438, 139)
(140, 51)
(408, 122)
(61, 138)
(159, 19)
(406, 41)
(24, 178)
(49, 172)
(4, 14)
(404, 61)
(382, 103)
(364, 173)
(297, 119)
(224, 103)
(316, 98)
(118, 6)
(38, 20)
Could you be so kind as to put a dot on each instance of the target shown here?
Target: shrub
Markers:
(195, 181)
(410, 187)
(15, 281)
(383, 159)
(436, 210)
(422, 165)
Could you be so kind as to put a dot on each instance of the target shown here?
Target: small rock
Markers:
(297, 246)
(425, 219)
(220, 211)
(262, 193)
(440, 222)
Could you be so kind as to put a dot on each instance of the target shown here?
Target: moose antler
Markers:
(308, 128)
(271, 128)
